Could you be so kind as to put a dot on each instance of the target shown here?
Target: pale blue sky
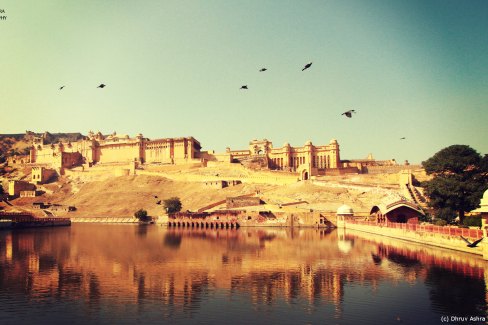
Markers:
(414, 69)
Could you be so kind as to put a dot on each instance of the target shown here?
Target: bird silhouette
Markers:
(262, 69)
(61, 87)
(472, 244)
(403, 138)
(101, 86)
(244, 87)
(349, 113)
(308, 65)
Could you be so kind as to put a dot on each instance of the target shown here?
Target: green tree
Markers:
(459, 180)
(172, 204)
(142, 215)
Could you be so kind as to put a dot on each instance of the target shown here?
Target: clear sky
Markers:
(414, 69)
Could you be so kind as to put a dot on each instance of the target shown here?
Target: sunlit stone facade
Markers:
(308, 160)
(97, 148)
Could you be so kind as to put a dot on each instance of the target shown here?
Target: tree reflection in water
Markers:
(172, 240)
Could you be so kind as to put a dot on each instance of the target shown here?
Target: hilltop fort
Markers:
(306, 161)
(114, 174)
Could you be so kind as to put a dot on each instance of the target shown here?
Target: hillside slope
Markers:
(104, 195)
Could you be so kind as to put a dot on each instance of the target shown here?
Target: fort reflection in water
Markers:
(134, 273)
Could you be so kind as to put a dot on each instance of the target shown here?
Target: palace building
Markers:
(306, 161)
(114, 148)
(309, 160)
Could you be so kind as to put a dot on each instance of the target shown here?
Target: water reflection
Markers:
(279, 274)
(451, 291)
(172, 240)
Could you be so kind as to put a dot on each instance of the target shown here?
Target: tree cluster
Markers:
(460, 176)
(142, 215)
(172, 204)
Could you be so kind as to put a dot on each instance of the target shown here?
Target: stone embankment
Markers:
(105, 220)
(13, 220)
(446, 258)
(225, 219)
(445, 238)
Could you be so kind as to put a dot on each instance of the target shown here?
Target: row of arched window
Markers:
(317, 162)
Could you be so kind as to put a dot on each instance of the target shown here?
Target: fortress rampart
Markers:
(294, 163)
(100, 149)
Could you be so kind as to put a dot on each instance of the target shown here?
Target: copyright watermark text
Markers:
(462, 319)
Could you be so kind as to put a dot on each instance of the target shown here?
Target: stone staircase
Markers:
(416, 196)
(214, 204)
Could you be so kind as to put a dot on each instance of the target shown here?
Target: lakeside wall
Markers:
(20, 220)
(447, 258)
(425, 238)
(104, 220)
(245, 218)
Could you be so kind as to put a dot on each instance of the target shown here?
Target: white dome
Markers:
(345, 210)
(484, 201)
(308, 143)
(286, 144)
(483, 204)
(333, 141)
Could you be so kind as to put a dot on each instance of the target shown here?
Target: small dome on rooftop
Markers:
(308, 143)
(333, 141)
(345, 210)
(484, 200)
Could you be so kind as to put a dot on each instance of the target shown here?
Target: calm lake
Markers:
(126, 274)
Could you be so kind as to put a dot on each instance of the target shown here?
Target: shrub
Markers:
(440, 222)
(142, 215)
(472, 221)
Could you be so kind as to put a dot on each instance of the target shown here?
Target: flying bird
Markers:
(403, 138)
(262, 69)
(244, 87)
(101, 86)
(61, 87)
(308, 65)
(349, 113)
(472, 244)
